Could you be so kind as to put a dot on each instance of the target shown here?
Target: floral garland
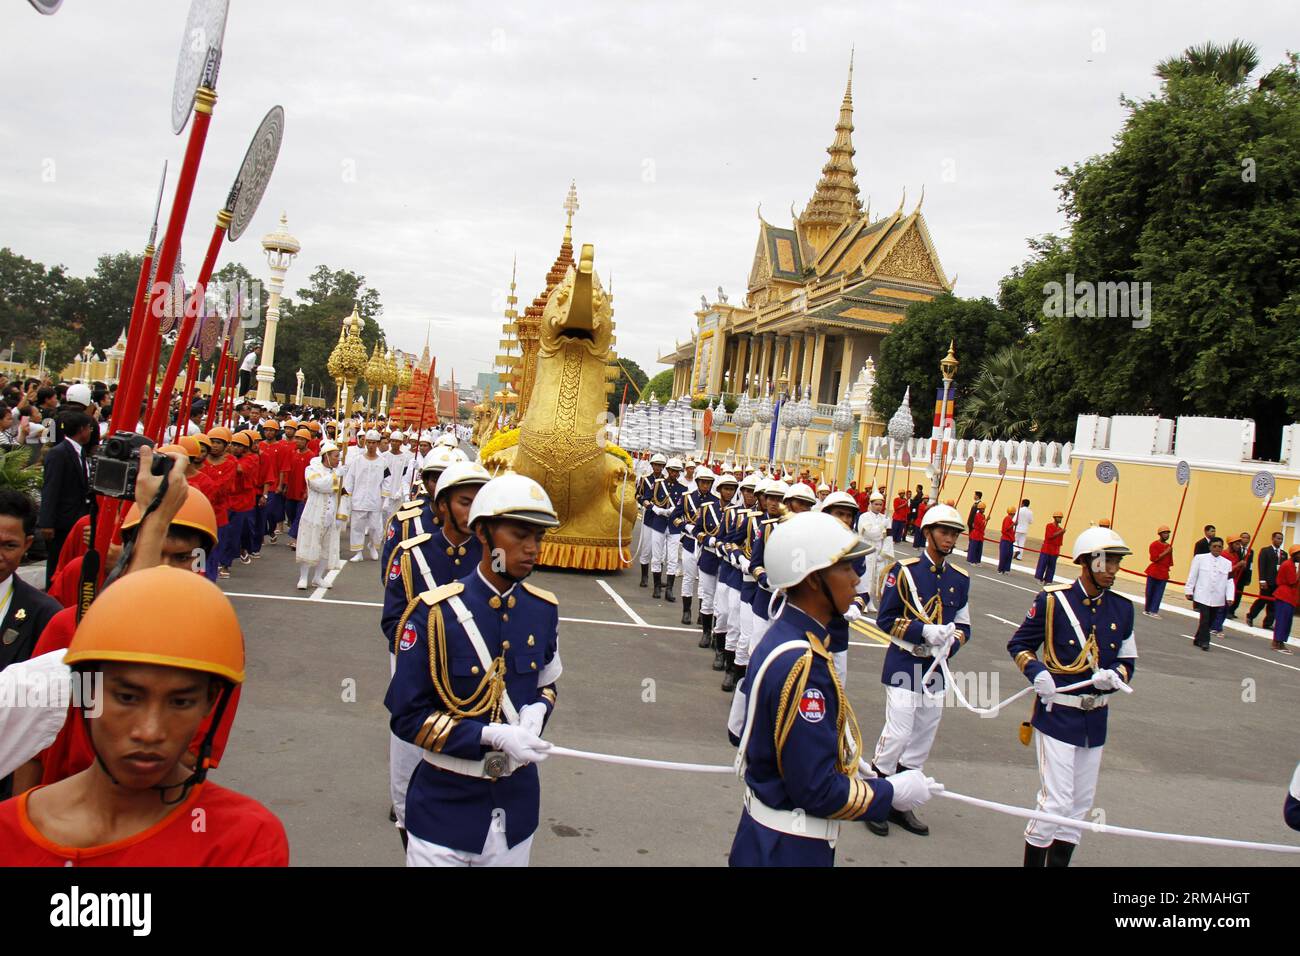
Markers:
(498, 443)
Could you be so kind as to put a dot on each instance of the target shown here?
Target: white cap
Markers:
(805, 543)
(675, 464)
(726, 478)
(447, 438)
(514, 496)
(1095, 543)
(658, 460)
(704, 473)
(426, 437)
(823, 487)
(326, 447)
(841, 499)
(397, 435)
(79, 393)
(801, 491)
(750, 482)
(372, 435)
(945, 516)
(461, 473)
(877, 496)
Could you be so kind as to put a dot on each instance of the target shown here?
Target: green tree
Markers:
(309, 326)
(39, 304)
(1200, 198)
(629, 374)
(909, 356)
(110, 292)
(661, 386)
(999, 404)
(1229, 64)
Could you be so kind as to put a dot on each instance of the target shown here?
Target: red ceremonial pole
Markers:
(963, 489)
(1070, 510)
(187, 397)
(162, 404)
(1259, 524)
(126, 405)
(1114, 500)
(996, 490)
(216, 396)
(1179, 516)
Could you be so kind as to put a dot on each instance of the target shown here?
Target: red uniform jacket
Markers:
(245, 485)
(221, 478)
(1286, 589)
(1159, 566)
(920, 511)
(902, 508)
(977, 527)
(1053, 538)
(295, 485)
(1008, 528)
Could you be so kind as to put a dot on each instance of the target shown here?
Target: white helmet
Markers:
(1095, 544)
(373, 435)
(79, 394)
(877, 496)
(514, 496)
(447, 438)
(750, 482)
(805, 543)
(326, 447)
(461, 473)
(944, 516)
(726, 478)
(841, 498)
(704, 473)
(658, 459)
(824, 487)
(426, 437)
(397, 435)
(801, 491)
(675, 464)
(439, 458)
(770, 486)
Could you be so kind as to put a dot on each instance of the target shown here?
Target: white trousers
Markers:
(745, 638)
(1068, 781)
(495, 852)
(708, 587)
(1020, 540)
(667, 554)
(644, 544)
(758, 627)
(363, 524)
(732, 625)
(911, 722)
(403, 758)
(690, 570)
(721, 605)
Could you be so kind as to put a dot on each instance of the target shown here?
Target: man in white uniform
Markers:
(1024, 518)
(873, 528)
(399, 458)
(364, 484)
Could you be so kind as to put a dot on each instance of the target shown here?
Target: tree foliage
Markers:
(310, 325)
(661, 386)
(999, 404)
(629, 374)
(910, 355)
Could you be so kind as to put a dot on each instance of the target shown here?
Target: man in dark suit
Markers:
(1242, 557)
(970, 517)
(1270, 559)
(65, 495)
(24, 611)
(1203, 546)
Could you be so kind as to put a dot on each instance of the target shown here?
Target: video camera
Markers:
(114, 468)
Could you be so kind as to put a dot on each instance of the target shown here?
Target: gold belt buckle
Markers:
(496, 765)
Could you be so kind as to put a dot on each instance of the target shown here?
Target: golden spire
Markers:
(570, 207)
(836, 198)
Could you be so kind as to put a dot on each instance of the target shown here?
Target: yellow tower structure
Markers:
(835, 200)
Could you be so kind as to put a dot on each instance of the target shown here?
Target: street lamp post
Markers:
(281, 248)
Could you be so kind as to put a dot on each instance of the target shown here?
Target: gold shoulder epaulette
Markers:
(959, 569)
(413, 503)
(1057, 587)
(407, 514)
(908, 561)
(415, 540)
(441, 593)
(542, 593)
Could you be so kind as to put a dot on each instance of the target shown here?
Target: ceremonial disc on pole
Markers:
(1078, 472)
(47, 7)
(255, 173)
(1002, 466)
(1183, 473)
(173, 307)
(1106, 472)
(209, 335)
(1263, 484)
(907, 458)
(970, 465)
(200, 56)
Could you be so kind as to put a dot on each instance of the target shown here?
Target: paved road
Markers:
(1206, 744)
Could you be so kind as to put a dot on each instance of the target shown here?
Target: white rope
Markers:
(961, 797)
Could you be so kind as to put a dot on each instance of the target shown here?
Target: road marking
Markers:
(1000, 580)
(618, 599)
(290, 597)
(330, 578)
(1266, 660)
(872, 644)
(657, 627)
(1002, 619)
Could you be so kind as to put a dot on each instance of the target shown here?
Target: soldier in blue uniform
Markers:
(1083, 631)
(665, 556)
(774, 496)
(924, 608)
(730, 579)
(750, 541)
(710, 525)
(649, 520)
(686, 519)
(799, 743)
(477, 662)
(421, 561)
(841, 506)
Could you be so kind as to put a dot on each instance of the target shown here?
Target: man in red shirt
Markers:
(138, 803)
(1162, 559)
(1007, 543)
(902, 508)
(1052, 538)
(295, 480)
(244, 492)
(274, 452)
(975, 550)
(221, 470)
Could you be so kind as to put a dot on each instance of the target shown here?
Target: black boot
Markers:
(719, 651)
(728, 665)
(879, 827)
(735, 673)
(686, 610)
(645, 574)
(401, 832)
(659, 585)
(669, 581)
(1058, 854)
(906, 819)
(1035, 856)
(706, 630)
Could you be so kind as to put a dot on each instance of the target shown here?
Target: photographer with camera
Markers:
(65, 494)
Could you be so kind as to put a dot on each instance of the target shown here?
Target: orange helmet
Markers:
(192, 446)
(302, 433)
(210, 641)
(290, 423)
(196, 512)
(172, 450)
(270, 423)
(313, 425)
(220, 433)
(205, 443)
(241, 438)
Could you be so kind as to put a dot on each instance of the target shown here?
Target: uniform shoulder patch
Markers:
(441, 593)
(413, 503)
(542, 593)
(408, 514)
(414, 540)
(907, 562)
(959, 569)
(1057, 587)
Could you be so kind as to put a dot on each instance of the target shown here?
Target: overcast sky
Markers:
(428, 145)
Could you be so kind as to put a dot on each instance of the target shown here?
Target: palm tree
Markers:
(1229, 64)
(998, 405)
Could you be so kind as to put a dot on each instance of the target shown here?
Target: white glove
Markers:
(663, 512)
(713, 542)
(1107, 680)
(532, 717)
(912, 788)
(518, 743)
(853, 613)
(689, 529)
(1045, 687)
(936, 635)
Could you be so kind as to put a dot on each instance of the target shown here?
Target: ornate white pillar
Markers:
(281, 248)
